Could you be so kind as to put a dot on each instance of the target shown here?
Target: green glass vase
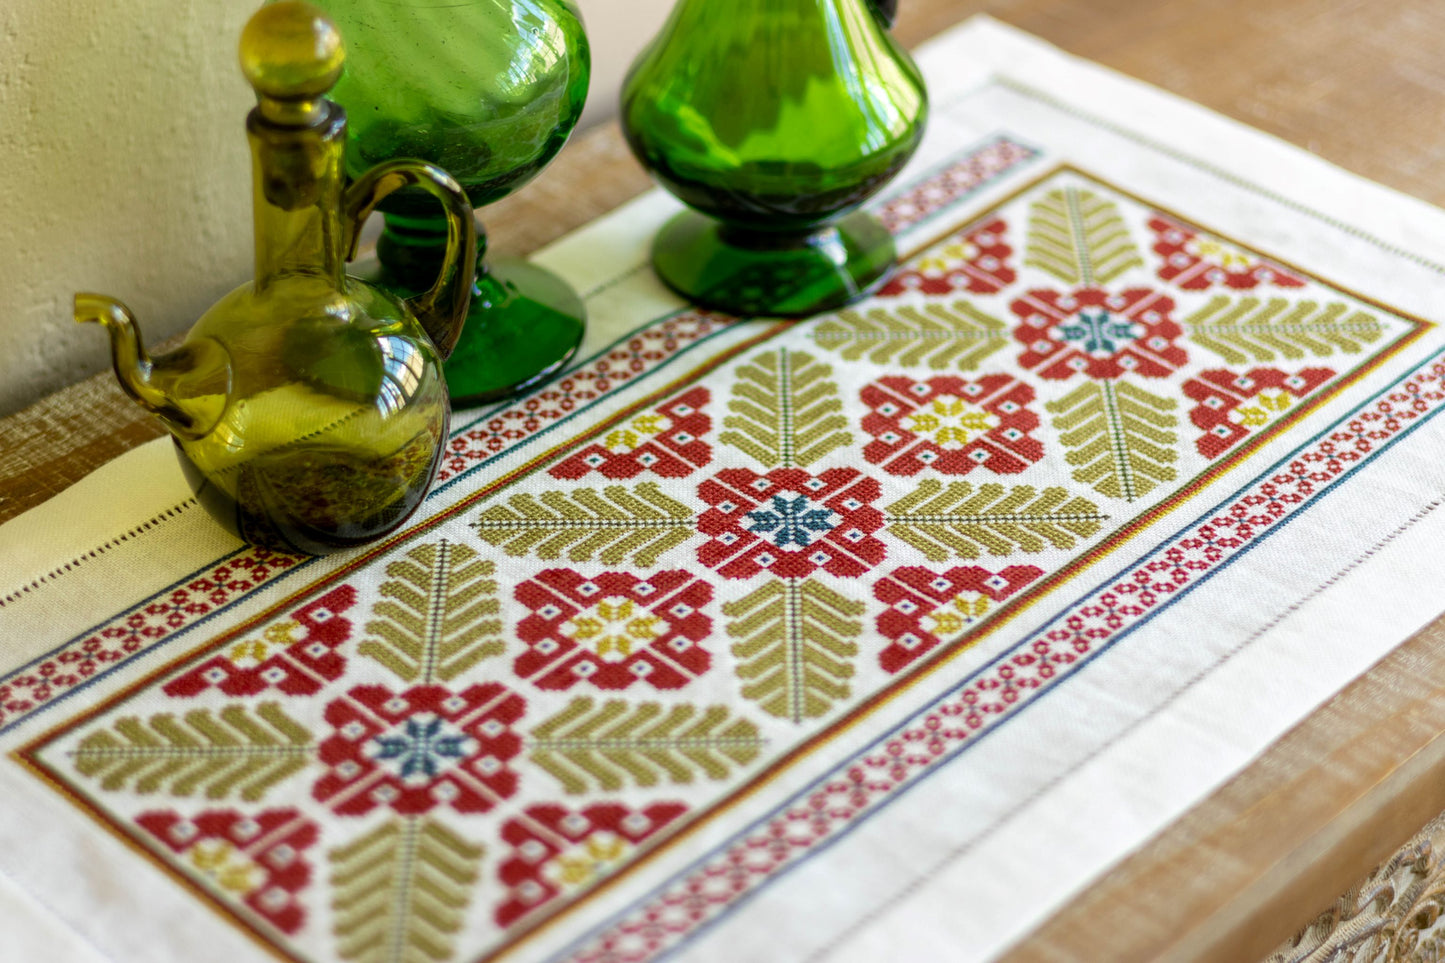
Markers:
(774, 120)
(307, 407)
(489, 90)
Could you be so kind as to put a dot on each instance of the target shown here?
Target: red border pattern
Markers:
(138, 629)
(935, 734)
(952, 183)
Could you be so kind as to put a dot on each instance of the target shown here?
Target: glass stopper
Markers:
(292, 54)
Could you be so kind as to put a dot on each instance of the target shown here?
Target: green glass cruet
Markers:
(774, 120)
(308, 408)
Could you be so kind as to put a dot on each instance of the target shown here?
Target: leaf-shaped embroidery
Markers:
(785, 412)
(401, 892)
(1251, 329)
(589, 747)
(957, 519)
(943, 337)
(795, 646)
(437, 617)
(1079, 237)
(236, 752)
(615, 525)
(1118, 436)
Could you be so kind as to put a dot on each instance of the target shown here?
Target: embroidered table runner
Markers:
(871, 636)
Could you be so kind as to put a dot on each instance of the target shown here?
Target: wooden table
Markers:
(1363, 85)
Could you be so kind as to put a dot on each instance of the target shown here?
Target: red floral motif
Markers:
(613, 629)
(667, 442)
(924, 608)
(790, 523)
(1196, 262)
(1231, 406)
(558, 851)
(417, 749)
(256, 859)
(974, 261)
(295, 655)
(951, 425)
(1101, 334)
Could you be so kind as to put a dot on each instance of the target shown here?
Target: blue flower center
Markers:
(1097, 332)
(792, 521)
(422, 747)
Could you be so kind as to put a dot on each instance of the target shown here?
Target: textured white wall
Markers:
(123, 166)
(617, 29)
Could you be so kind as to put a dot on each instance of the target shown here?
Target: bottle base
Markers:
(752, 273)
(524, 325)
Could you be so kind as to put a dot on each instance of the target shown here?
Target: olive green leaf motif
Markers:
(1246, 329)
(785, 412)
(588, 747)
(943, 337)
(1079, 237)
(401, 892)
(615, 525)
(236, 753)
(960, 520)
(1118, 436)
(794, 645)
(438, 614)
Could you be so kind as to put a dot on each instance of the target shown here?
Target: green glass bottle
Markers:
(774, 120)
(308, 408)
(489, 90)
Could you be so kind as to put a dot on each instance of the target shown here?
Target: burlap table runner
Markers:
(874, 636)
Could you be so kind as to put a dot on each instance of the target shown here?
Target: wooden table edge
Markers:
(1254, 862)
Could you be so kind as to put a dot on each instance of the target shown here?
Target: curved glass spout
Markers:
(186, 388)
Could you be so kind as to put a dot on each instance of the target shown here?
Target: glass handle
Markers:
(885, 10)
(443, 308)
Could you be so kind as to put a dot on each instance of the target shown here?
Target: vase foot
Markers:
(525, 324)
(753, 273)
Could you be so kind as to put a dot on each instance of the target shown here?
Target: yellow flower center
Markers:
(588, 860)
(635, 433)
(1262, 408)
(250, 652)
(232, 869)
(950, 619)
(951, 422)
(1210, 250)
(613, 628)
(948, 257)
